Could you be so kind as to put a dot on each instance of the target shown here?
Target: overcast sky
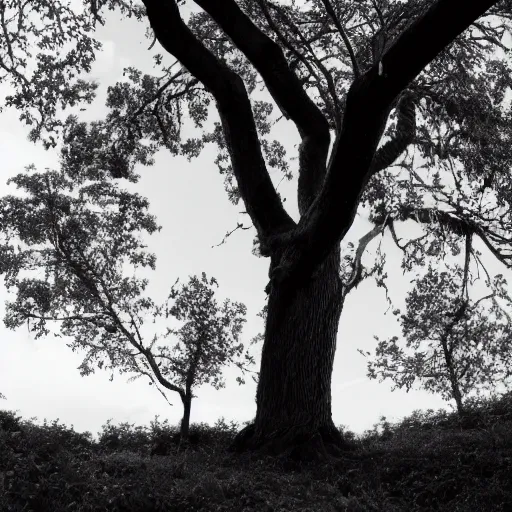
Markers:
(40, 377)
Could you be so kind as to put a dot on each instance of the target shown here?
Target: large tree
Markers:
(411, 96)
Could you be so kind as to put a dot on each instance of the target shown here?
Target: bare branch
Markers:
(152, 378)
(397, 241)
(343, 34)
(479, 264)
(229, 233)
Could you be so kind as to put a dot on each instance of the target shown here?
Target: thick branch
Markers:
(268, 59)
(284, 86)
(448, 220)
(357, 273)
(368, 104)
(254, 183)
(329, 96)
(158, 374)
(458, 226)
(404, 135)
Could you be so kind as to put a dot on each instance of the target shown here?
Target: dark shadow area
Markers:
(428, 461)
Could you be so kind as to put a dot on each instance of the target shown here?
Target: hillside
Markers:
(429, 461)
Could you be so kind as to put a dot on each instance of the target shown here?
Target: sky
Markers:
(40, 377)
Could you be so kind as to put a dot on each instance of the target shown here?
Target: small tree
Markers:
(71, 251)
(207, 340)
(453, 346)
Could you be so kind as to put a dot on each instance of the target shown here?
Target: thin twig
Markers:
(343, 34)
(229, 233)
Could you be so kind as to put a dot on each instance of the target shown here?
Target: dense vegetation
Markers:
(428, 461)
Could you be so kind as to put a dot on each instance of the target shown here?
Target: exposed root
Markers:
(296, 443)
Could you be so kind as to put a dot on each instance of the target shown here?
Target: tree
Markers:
(70, 252)
(412, 94)
(456, 346)
(207, 340)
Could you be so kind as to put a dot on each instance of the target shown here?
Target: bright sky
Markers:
(40, 377)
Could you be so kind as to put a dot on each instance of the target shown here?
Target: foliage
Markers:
(462, 119)
(424, 462)
(209, 334)
(9, 421)
(454, 346)
(51, 80)
(123, 436)
(64, 251)
(71, 251)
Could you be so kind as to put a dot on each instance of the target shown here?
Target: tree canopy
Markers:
(444, 158)
(455, 346)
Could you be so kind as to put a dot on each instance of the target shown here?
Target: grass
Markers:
(429, 461)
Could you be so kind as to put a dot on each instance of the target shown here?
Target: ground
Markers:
(430, 461)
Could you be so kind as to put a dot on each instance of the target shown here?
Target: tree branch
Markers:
(229, 233)
(343, 34)
(467, 259)
(404, 135)
(369, 101)
(256, 188)
(329, 97)
(355, 278)
(458, 226)
(286, 89)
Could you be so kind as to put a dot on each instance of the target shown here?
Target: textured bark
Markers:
(294, 389)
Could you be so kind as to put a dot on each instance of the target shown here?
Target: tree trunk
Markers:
(457, 395)
(185, 421)
(452, 376)
(458, 401)
(294, 389)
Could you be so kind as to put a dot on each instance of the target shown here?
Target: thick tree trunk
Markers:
(294, 390)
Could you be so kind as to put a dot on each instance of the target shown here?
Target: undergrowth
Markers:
(428, 461)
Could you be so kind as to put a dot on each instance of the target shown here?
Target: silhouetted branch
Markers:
(254, 183)
(343, 34)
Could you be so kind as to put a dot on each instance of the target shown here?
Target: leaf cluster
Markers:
(451, 343)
